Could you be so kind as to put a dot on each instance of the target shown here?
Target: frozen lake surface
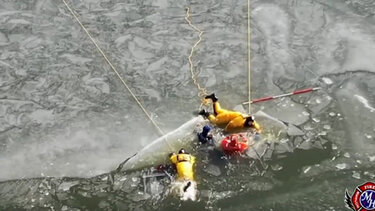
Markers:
(66, 120)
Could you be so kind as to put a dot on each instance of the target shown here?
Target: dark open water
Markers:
(65, 118)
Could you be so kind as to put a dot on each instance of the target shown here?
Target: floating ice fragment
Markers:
(365, 102)
(65, 186)
(356, 175)
(305, 113)
(323, 133)
(315, 119)
(306, 170)
(213, 170)
(369, 174)
(342, 166)
(327, 127)
(332, 114)
(347, 155)
(284, 140)
(327, 80)
(371, 158)
(334, 146)
(276, 167)
(318, 101)
(368, 136)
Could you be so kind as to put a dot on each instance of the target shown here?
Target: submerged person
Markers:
(205, 136)
(231, 119)
(184, 186)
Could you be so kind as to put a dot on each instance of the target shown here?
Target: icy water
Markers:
(66, 121)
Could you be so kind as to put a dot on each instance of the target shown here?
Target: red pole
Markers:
(302, 91)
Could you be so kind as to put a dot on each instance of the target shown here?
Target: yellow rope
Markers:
(249, 71)
(249, 52)
(113, 68)
(201, 91)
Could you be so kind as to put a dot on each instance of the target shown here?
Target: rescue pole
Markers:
(301, 91)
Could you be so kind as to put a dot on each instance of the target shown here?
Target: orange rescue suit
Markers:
(184, 164)
(232, 119)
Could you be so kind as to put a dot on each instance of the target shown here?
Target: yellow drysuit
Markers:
(232, 119)
(184, 164)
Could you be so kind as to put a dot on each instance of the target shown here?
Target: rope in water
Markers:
(201, 91)
(248, 53)
(113, 68)
(249, 73)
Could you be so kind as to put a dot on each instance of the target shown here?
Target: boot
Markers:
(212, 97)
(204, 113)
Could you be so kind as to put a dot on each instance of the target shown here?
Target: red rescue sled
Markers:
(234, 144)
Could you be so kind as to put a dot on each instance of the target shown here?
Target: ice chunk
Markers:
(213, 170)
(65, 186)
(306, 169)
(342, 166)
(305, 145)
(323, 133)
(356, 175)
(75, 59)
(334, 146)
(327, 80)
(294, 131)
(315, 119)
(276, 167)
(155, 188)
(364, 102)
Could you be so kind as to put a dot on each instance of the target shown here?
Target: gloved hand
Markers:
(204, 113)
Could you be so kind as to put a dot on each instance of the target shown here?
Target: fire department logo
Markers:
(363, 198)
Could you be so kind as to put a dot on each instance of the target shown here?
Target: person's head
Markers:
(249, 121)
(206, 129)
(182, 151)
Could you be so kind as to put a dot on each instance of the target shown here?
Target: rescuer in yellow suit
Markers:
(185, 186)
(231, 119)
(184, 164)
